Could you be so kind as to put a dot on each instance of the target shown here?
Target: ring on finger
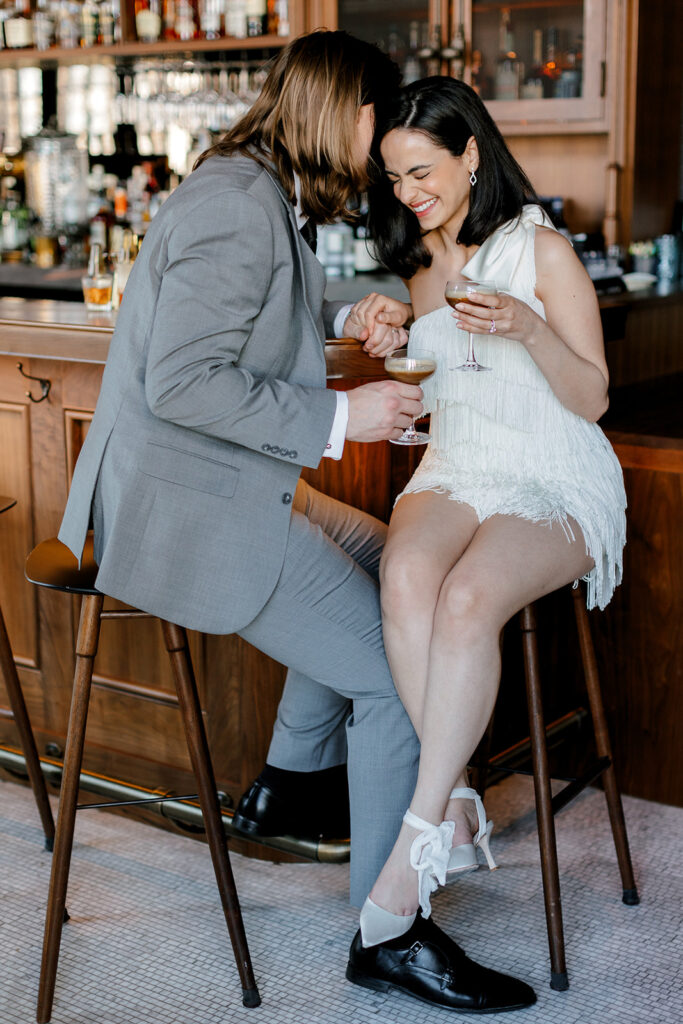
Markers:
(492, 328)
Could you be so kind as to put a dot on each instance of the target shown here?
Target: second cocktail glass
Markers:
(461, 289)
(410, 369)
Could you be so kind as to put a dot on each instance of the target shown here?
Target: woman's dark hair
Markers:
(449, 113)
(305, 118)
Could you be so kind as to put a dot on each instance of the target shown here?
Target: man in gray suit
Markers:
(212, 401)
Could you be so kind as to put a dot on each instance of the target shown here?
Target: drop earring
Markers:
(473, 178)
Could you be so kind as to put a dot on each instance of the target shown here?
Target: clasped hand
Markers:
(378, 321)
(382, 409)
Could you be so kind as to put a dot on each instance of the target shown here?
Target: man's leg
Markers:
(323, 620)
(310, 729)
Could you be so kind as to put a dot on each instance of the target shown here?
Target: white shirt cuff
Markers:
(340, 320)
(334, 449)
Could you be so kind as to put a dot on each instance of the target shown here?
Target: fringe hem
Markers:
(606, 552)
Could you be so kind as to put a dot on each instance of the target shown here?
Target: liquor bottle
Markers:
(429, 52)
(454, 53)
(89, 26)
(68, 26)
(551, 70)
(210, 12)
(19, 28)
(532, 88)
(236, 18)
(508, 66)
(411, 65)
(168, 17)
(186, 20)
(257, 11)
(272, 17)
(282, 10)
(147, 20)
(43, 26)
(106, 23)
(569, 83)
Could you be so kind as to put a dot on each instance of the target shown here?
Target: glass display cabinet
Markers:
(534, 62)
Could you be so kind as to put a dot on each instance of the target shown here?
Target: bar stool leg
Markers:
(175, 639)
(28, 743)
(544, 812)
(603, 746)
(86, 649)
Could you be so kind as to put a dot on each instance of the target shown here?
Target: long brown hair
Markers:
(305, 118)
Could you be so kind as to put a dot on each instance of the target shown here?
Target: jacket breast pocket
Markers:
(199, 473)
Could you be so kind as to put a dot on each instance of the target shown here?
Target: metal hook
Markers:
(45, 385)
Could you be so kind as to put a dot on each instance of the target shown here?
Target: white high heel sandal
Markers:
(429, 855)
(464, 858)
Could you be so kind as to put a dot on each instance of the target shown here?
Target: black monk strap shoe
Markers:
(261, 812)
(427, 964)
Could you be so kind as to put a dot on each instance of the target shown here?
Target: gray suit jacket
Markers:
(213, 398)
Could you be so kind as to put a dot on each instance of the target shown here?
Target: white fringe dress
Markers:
(501, 441)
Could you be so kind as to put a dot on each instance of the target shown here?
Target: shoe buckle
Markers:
(415, 949)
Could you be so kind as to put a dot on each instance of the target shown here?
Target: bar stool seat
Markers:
(52, 565)
(8, 670)
(548, 805)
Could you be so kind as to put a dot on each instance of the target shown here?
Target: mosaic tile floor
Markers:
(147, 942)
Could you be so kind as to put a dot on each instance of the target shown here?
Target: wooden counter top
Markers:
(65, 331)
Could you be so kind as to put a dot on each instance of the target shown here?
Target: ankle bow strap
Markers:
(463, 793)
(429, 855)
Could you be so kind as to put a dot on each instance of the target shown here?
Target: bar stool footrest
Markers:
(570, 792)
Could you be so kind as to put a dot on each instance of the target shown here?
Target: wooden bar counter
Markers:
(134, 730)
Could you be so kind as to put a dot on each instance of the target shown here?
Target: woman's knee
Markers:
(406, 580)
(466, 602)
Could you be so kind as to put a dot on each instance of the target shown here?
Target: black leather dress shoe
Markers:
(427, 964)
(261, 812)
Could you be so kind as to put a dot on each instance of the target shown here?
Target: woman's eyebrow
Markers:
(418, 167)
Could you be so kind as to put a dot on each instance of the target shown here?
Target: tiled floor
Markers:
(147, 944)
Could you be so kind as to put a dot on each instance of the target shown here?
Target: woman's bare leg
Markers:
(427, 535)
(508, 563)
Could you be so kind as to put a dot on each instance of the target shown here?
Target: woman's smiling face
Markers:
(427, 179)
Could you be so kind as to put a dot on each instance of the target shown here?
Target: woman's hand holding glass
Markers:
(495, 313)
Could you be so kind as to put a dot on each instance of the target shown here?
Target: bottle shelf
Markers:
(170, 48)
(491, 6)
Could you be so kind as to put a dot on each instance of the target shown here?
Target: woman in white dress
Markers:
(519, 492)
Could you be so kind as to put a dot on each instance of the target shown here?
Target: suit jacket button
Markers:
(286, 498)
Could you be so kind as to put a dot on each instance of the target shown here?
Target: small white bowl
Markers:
(636, 281)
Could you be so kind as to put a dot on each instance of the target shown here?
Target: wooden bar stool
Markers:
(548, 805)
(52, 565)
(20, 715)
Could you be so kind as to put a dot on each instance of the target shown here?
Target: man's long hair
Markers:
(305, 119)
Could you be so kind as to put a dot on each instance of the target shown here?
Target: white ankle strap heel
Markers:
(429, 856)
(463, 858)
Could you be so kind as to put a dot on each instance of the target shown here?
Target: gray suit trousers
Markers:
(323, 621)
